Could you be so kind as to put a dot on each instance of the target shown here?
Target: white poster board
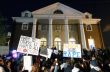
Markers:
(91, 43)
(74, 52)
(27, 63)
(49, 52)
(28, 45)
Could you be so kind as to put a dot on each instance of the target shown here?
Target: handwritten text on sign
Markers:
(28, 45)
(72, 52)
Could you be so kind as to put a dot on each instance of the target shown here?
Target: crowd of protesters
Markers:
(95, 60)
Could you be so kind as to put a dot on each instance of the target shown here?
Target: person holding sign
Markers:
(35, 68)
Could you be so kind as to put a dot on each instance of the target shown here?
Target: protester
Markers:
(35, 68)
(91, 61)
(1, 65)
(8, 65)
(94, 66)
(76, 68)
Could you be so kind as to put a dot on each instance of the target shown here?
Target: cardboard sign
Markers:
(43, 51)
(72, 52)
(28, 45)
(47, 52)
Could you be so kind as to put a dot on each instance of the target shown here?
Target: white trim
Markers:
(66, 31)
(56, 16)
(23, 19)
(34, 27)
(90, 21)
(50, 34)
(83, 39)
(51, 8)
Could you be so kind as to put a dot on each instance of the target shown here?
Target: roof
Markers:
(49, 10)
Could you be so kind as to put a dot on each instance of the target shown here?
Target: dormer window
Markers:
(26, 15)
(58, 12)
(87, 16)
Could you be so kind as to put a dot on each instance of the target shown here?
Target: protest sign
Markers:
(47, 52)
(74, 52)
(43, 51)
(28, 45)
(27, 63)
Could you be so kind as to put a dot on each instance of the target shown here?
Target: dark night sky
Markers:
(99, 9)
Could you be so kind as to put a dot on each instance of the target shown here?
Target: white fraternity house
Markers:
(58, 24)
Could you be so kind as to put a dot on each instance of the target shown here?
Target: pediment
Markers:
(66, 10)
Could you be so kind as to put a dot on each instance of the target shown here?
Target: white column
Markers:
(66, 31)
(34, 28)
(50, 34)
(83, 39)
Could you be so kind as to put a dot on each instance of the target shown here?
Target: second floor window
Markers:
(26, 15)
(24, 26)
(43, 42)
(57, 27)
(43, 27)
(89, 27)
(71, 27)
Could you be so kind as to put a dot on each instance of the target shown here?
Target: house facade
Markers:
(58, 24)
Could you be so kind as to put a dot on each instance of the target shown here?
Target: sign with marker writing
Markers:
(74, 52)
(28, 45)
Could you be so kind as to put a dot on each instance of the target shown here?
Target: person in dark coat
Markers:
(94, 66)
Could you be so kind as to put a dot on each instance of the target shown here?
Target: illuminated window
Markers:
(72, 41)
(43, 42)
(24, 26)
(91, 43)
(89, 27)
(57, 43)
